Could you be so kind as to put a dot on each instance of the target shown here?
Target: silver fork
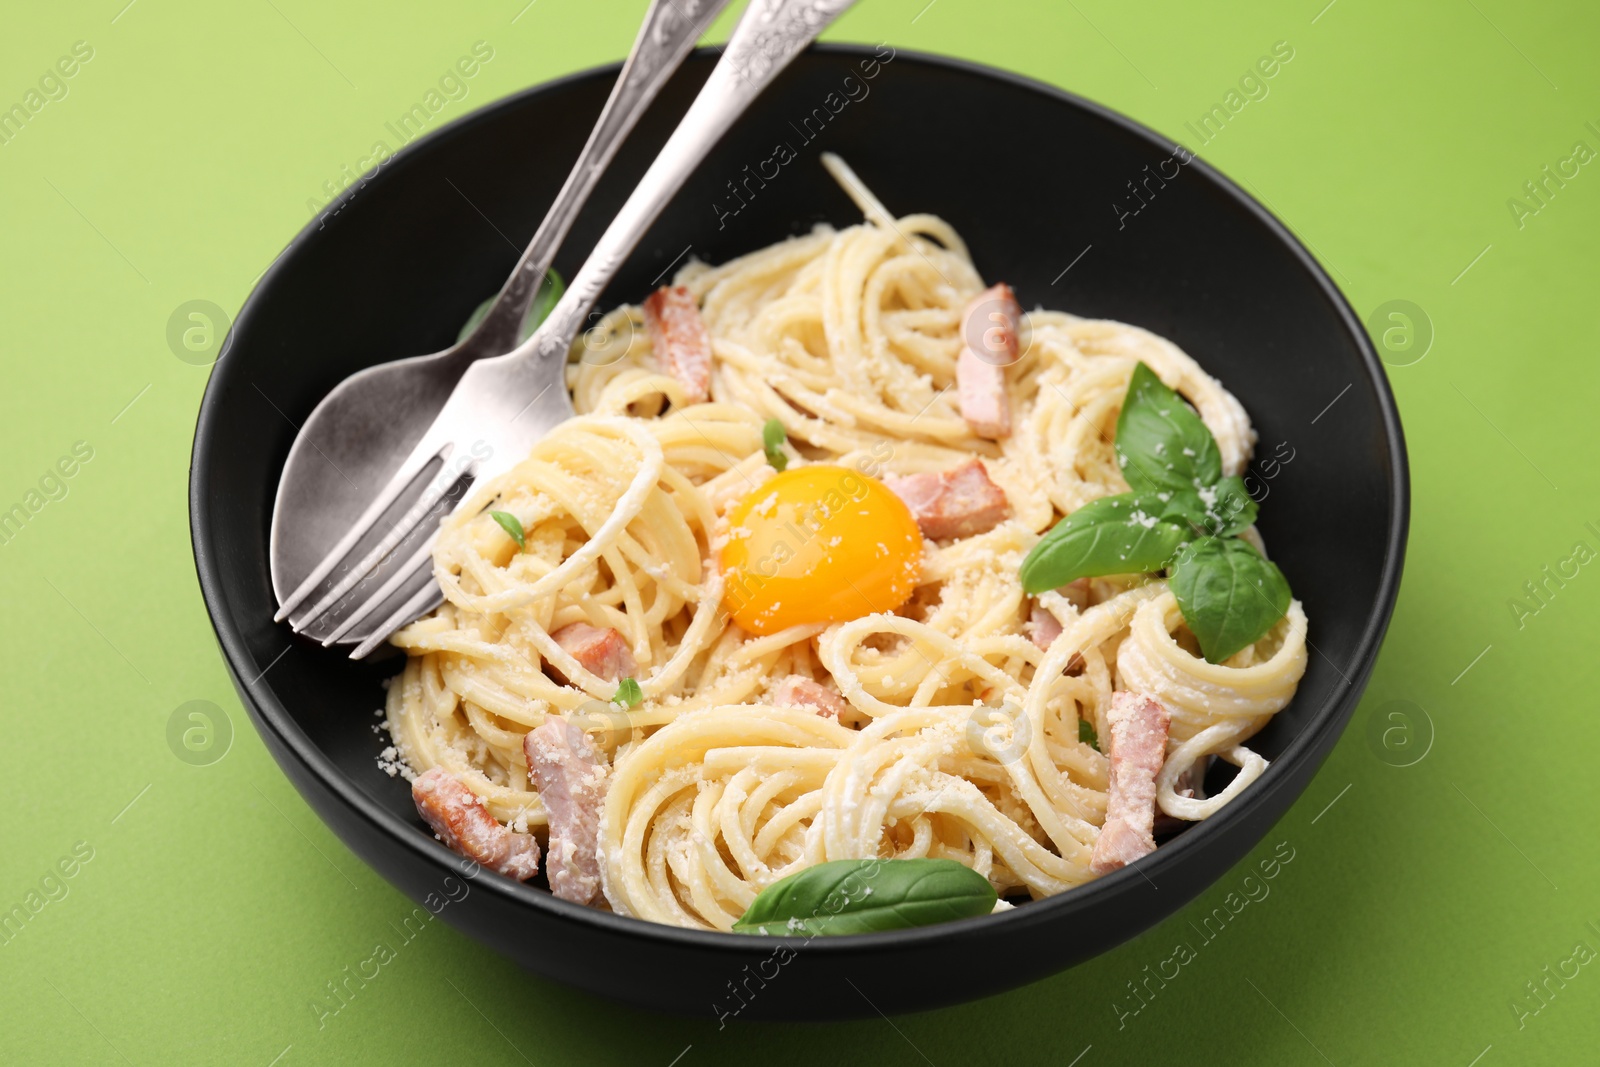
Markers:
(363, 429)
(502, 406)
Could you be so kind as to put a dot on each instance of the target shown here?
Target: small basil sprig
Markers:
(863, 896)
(512, 526)
(772, 439)
(1182, 516)
(1087, 735)
(629, 693)
(544, 301)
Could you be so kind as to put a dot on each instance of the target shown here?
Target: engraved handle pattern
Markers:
(780, 32)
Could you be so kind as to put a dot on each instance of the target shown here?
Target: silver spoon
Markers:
(355, 439)
(378, 577)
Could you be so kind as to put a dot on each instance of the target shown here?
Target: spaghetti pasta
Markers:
(960, 736)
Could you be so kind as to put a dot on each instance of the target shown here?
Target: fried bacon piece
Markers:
(1043, 627)
(604, 653)
(958, 502)
(458, 816)
(679, 339)
(799, 692)
(990, 344)
(1137, 748)
(571, 778)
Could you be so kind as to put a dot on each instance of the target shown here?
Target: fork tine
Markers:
(427, 598)
(426, 451)
(401, 577)
(414, 517)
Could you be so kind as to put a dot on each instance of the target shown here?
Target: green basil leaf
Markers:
(772, 439)
(1087, 735)
(512, 526)
(1181, 506)
(1230, 594)
(1231, 509)
(629, 694)
(544, 301)
(1219, 510)
(1161, 442)
(861, 896)
(1122, 534)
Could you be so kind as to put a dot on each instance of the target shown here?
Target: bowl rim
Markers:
(270, 714)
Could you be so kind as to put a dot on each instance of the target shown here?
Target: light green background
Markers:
(1421, 899)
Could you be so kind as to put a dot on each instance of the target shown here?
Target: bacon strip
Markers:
(990, 344)
(1137, 747)
(458, 816)
(571, 779)
(958, 502)
(796, 691)
(679, 339)
(604, 653)
(1043, 628)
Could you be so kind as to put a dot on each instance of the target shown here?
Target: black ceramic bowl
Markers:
(402, 262)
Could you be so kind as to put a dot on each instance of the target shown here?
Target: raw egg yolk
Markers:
(818, 544)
